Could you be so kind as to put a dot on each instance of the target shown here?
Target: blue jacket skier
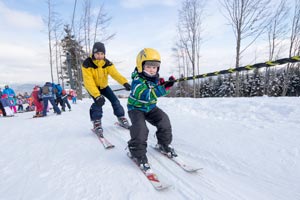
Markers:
(47, 94)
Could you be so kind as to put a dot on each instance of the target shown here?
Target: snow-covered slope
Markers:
(249, 149)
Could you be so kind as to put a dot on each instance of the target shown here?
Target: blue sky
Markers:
(137, 23)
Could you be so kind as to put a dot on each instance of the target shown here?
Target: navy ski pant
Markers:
(45, 103)
(96, 111)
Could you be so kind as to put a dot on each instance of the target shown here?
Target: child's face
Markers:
(99, 56)
(152, 70)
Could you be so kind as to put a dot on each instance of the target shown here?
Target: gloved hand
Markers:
(127, 86)
(161, 81)
(100, 100)
(168, 85)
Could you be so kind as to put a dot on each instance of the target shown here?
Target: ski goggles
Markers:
(152, 63)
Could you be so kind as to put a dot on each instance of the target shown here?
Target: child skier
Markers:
(95, 71)
(20, 103)
(11, 97)
(6, 103)
(73, 94)
(64, 97)
(37, 100)
(146, 87)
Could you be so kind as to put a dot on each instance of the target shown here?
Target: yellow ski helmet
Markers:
(147, 54)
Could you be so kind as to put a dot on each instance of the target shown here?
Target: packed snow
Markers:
(249, 149)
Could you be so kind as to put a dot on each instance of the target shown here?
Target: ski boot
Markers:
(38, 114)
(167, 150)
(98, 128)
(123, 122)
(142, 162)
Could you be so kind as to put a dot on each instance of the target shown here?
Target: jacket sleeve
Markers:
(144, 92)
(89, 82)
(13, 92)
(59, 89)
(113, 72)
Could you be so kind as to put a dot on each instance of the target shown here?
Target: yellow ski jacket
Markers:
(95, 75)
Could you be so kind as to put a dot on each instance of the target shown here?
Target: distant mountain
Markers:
(21, 87)
(27, 87)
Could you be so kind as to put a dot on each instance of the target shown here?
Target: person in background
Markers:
(27, 97)
(47, 94)
(20, 103)
(57, 89)
(6, 103)
(1, 106)
(73, 94)
(13, 101)
(64, 97)
(11, 97)
(37, 101)
(95, 71)
(147, 86)
(9, 91)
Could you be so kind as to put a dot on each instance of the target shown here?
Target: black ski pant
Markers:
(2, 109)
(66, 102)
(139, 130)
(60, 102)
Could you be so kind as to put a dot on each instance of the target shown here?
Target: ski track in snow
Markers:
(248, 149)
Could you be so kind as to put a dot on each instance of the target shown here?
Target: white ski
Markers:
(179, 161)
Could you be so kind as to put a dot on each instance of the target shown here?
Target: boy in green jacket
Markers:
(146, 87)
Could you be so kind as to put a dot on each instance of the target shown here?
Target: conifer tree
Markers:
(71, 69)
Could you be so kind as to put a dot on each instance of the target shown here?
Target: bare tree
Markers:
(276, 33)
(95, 29)
(189, 30)
(50, 26)
(276, 29)
(57, 36)
(248, 19)
(294, 48)
(53, 26)
(178, 55)
(101, 25)
(87, 25)
(295, 31)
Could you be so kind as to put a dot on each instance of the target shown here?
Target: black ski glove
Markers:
(100, 100)
(127, 86)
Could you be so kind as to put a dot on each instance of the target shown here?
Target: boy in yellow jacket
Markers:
(95, 71)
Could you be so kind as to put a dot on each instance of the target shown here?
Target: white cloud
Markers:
(143, 3)
(18, 19)
(21, 63)
(23, 50)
